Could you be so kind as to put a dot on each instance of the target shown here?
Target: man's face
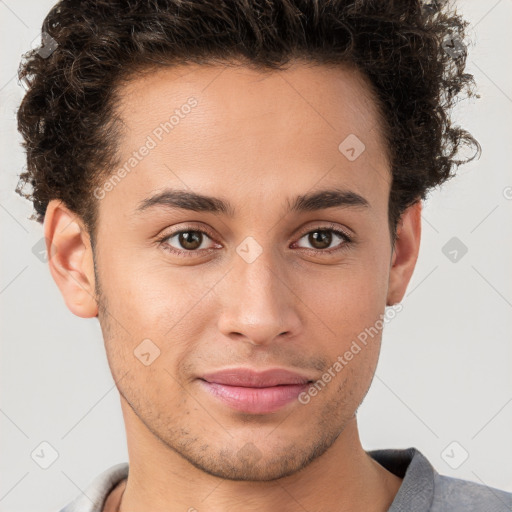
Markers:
(262, 286)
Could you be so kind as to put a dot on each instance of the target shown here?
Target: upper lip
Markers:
(247, 377)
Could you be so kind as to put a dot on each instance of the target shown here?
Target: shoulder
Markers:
(424, 489)
(93, 498)
(455, 494)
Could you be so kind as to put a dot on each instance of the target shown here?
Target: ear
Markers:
(70, 259)
(405, 253)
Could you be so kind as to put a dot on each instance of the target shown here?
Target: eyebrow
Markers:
(313, 201)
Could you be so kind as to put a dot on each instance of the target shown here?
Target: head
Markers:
(239, 185)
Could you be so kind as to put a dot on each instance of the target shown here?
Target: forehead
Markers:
(328, 97)
(221, 130)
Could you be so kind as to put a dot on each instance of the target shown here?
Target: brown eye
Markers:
(321, 239)
(186, 242)
(190, 240)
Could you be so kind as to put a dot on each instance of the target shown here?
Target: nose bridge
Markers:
(258, 303)
(258, 267)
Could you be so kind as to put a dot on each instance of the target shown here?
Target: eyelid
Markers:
(327, 227)
(189, 227)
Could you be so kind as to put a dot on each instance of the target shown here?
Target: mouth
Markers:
(254, 392)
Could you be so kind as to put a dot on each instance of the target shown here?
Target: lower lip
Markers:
(255, 400)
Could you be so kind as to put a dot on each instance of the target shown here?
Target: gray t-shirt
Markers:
(423, 489)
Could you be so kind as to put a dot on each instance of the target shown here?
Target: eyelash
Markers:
(347, 240)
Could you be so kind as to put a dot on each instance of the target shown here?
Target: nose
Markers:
(260, 304)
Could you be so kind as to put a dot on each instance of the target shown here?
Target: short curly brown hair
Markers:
(412, 52)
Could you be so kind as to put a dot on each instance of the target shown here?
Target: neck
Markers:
(343, 478)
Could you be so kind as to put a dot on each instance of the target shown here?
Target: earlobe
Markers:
(405, 253)
(70, 259)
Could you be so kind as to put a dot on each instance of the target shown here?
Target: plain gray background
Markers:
(444, 380)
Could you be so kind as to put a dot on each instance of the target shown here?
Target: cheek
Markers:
(154, 321)
(346, 307)
(346, 299)
(148, 294)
